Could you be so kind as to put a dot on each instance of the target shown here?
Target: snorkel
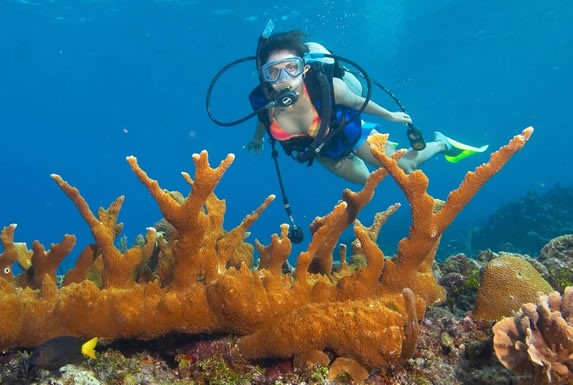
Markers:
(262, 39)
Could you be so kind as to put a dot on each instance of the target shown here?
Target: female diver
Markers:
(283, 70)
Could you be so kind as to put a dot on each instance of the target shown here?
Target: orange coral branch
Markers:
(423, 238)
(373, 230)
(412, 328)
(189, 219)
(430, 217)
(273, 257)
(47, 262)
(364, 282)
(80, 271)
(10, 253)
(118, 267)
(320, 235)
(226, 246)
(364, 314)
(318, 325)
(356, 201)
(342, 250)
(474, 181)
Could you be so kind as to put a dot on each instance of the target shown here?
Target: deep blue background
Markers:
(84, 83)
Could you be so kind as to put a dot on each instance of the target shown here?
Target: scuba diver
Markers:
(315, 109)
(312, 105)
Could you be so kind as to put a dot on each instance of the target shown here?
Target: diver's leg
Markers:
(409, 161)
(351, 168)
(412, 159)
(364, 152)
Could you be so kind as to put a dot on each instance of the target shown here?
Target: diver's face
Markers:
(286, 70)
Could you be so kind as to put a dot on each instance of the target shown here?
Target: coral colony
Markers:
(204, 280)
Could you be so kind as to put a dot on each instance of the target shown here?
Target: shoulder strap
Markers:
(319, 85)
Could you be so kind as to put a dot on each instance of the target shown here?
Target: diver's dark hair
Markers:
(292, 41)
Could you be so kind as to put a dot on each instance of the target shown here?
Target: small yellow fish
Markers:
(61, 351)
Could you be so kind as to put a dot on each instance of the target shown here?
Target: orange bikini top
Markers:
(279, 134)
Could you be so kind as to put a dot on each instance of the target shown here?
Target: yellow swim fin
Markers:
(88, 348)
(457, 151)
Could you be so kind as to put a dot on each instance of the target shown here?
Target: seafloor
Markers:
(451, 350)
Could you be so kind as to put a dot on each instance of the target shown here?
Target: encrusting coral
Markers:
(538, 340)
(204, 282)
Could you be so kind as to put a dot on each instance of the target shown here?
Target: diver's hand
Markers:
(255, 146)
(400, 117)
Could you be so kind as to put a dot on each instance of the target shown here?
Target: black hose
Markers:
(414, 133)
(210, 90)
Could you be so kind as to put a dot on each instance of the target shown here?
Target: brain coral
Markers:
(508, 281)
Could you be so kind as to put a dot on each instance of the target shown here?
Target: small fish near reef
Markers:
(61, 351)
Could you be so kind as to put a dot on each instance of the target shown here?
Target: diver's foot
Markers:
(450, 149)
(456, 151)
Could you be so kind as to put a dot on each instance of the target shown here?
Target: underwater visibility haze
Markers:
(86, 83)
(96, 93)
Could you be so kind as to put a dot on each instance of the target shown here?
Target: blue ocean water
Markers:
(84, 83)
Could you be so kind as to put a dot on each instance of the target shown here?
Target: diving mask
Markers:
(283, 69)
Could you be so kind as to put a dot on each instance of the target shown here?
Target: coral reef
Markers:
(204, 284)
(538, 340)
(451, 351)
(460, 276)
(557, 257)
(526, 225)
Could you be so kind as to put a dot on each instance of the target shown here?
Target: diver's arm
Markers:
(256, 143)
(259, 132)
(344, 96)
